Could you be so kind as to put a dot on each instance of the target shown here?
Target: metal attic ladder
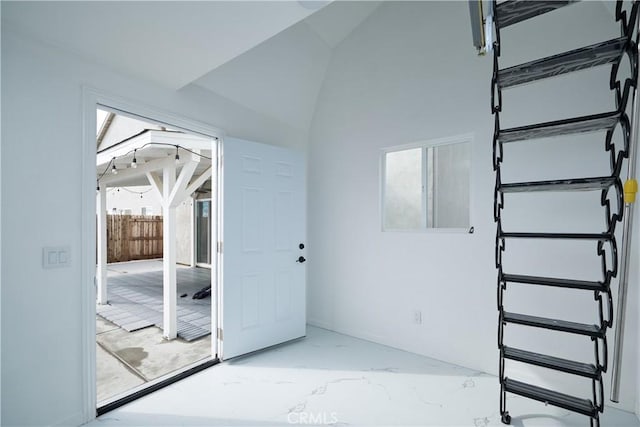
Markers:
(607, 53)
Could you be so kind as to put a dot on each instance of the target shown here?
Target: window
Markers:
(426, 186)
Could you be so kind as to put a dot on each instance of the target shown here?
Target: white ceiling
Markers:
(336, 21)
(268, 56)
(282, 77)
(171, 43)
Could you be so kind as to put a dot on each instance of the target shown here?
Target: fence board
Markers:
(133, 237)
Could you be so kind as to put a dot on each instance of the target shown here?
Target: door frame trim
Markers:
(93, 98)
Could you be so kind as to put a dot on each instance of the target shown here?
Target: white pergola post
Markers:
(101, 268)
(170, 287)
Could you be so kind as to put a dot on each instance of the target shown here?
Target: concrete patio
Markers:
(128, 358)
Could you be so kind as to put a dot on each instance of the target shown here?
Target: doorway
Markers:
(261, 194)
(153, 322)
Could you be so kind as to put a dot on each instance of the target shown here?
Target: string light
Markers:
(111, 165)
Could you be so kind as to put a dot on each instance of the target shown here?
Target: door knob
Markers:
(301, 259)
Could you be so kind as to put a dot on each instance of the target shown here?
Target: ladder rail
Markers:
(627, 230)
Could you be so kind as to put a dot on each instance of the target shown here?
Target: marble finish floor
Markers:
(332, 379)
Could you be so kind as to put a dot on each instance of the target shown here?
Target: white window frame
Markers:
(426, 218)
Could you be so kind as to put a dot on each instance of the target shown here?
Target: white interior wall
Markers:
(410, 73)
(42, 100)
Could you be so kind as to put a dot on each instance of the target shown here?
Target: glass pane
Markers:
(203, 232)
(451, 168)
(403, 190)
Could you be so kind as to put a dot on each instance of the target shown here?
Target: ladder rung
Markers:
(576, 184)
(569, 236)
(592, 123)
(550, 281)
(569, 366)
(567, 62)
(561, 400)
(554, 324)
(514, 11)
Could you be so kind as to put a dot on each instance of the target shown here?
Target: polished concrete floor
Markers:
(332, 379)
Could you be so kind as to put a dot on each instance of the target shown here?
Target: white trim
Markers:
(425, 145)
(465, 137)
(123, 107)
(219, 254)
(216, 279)
(87, 254)
(429, 230)
(91, 99)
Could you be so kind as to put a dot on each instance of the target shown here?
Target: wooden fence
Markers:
(132, 237)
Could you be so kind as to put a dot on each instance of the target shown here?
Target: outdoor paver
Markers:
(191, 316)
(134, 326)
(137, 298)
(203, 322)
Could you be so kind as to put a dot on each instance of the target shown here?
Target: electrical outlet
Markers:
(417, 317)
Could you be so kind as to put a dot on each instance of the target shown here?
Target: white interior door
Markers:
(263, 290)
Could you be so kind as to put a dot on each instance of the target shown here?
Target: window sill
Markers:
(431, 230)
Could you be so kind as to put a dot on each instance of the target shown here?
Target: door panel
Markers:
(264, 223)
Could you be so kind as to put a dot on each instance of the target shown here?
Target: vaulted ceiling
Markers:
(268, 56)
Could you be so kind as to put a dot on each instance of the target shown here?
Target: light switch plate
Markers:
(56, 257)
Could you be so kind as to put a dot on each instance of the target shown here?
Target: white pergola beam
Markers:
(193, 186)
(112, 180)
(156, 185)
(178, 193)
(182, 139)
(101, 267)
(123, 149)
